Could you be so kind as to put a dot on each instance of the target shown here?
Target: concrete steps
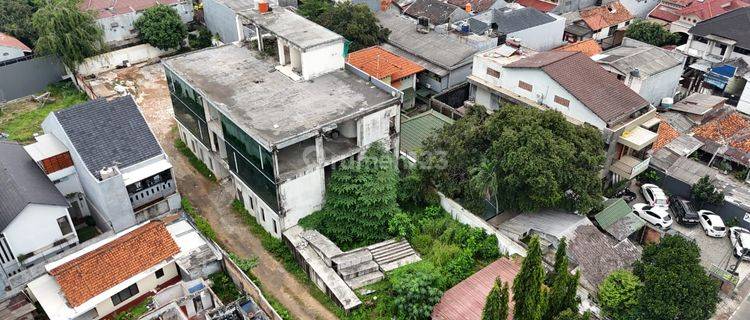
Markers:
(392, 254)
(358, 270)
(364, 280)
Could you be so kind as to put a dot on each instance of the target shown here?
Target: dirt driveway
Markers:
(149, 87)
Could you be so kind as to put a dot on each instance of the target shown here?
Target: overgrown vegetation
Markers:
(360, 201)
(161, 27)
(200, 40)
(525, 158)
(194, 161)
(355, 22)
(66, 31)
(651, 32)
(224, 288)
(136, 311)
(200, 222)
(20, 120)
(15, 20)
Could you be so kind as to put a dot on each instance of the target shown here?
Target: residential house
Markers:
(638, 8)
(466, 300)
(182, 301)
(576, 86)
(719, 55)
(618, 220)
(273, 133)
(114, 274)
(416, 129)
(527, 26)
(652, 72)
(11, 48)
(681, 15)
(391, 69)
(550, 226)
(222, 18)
(34, 219)
(446, 59)
(599, 23)
(596, 255)
(123, 172)
(588, 47)
(726, 137)
(478, 6)
(436, 12)
(117, 17)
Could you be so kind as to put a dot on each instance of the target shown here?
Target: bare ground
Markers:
(148, 85)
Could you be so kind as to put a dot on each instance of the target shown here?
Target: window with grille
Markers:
(493, 73)
(562, 101)
(525, 86)
(125, 294)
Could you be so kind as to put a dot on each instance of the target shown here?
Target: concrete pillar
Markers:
(728, 52)
(689, 43)
(709, 49)
(260, 38)
(319, 151)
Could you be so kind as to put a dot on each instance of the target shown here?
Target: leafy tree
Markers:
(651, 33)
(563, 285)
(355, 22)
(416, 289)
(66, 31)
(161, 27)
(540, 159)
(678, 287)
(484, 179)
(496, 305)
(400, 225)
(360, 200)
(704, 192)
(569, 314)
(458, 268)
(15, 20)
(528, 286)
(618, 295)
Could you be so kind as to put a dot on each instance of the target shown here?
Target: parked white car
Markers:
(654, 195)
(712, 224)
(740, 238)
(657, 216)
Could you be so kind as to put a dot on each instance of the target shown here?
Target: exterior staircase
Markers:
(357, 268)
(391, 254)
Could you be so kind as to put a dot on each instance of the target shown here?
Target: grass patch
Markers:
(136, 311)
(200, 222)
(224, 288)
(22, 119)
(194, 161)
(86, 233)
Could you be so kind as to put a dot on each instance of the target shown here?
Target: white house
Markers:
(117, 17)
(11, 48)
(577, 87)
(125, 175)
(34, 219)
(528, 26)
(396, 71)
(275, 134)
(600, 23)
(109, 276)
(652, 72)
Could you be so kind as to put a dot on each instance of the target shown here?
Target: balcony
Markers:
(628, 167)
(637, 138)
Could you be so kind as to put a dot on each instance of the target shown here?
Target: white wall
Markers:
(209, 158)
(658, 86)
(302, 196)
(542, 37)
(7, 53)
(221, 20)
(120, 29)
(321, 60)
(35, 228)
(66, 181)
(145, 285)
(639, 8)
(744, 103)
(110, 60)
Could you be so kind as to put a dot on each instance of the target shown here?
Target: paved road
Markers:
(148, 85)
(743, 312)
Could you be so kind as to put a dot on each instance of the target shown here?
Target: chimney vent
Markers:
(262, 6)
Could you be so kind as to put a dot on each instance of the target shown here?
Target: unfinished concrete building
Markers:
(277, 127)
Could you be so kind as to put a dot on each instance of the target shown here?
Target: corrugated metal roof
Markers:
(618, 219)
(416, 129)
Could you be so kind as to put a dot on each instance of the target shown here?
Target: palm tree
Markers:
(484, 179)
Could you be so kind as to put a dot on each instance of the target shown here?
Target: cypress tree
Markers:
(562, 294)
(496, 306)
(527, 286)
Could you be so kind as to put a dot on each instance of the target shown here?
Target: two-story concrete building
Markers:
(528, 26)
(278, 127)
(34, 219)
(601, 23)
(577, 87)
(122, 170)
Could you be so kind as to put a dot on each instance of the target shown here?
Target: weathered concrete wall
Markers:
(302, 196)
(110, 60)
(221, 20)
(27, 77)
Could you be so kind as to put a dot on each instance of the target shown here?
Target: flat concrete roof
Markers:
(292, 27)
(268, 105)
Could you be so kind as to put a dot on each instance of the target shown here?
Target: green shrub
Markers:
(442, 253)
(224, 288)
(194, 161)
(400, 225)
(421, 242)
(417, 289)
(200, 222)
(458, 268)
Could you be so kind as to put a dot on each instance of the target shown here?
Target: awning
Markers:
(145, 172)
(638, 138)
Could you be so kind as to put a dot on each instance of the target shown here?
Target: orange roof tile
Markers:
(588, 47)
(611, 14)
(722, 128)
(7, 40)
(103, 268)
(381, 63)
(665, 134)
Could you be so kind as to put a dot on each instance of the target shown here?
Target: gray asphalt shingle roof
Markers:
(105, 133)
(733, 25)
(520, 19)
(22, 182)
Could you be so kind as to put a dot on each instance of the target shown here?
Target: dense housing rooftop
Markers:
(269, 105)
(292, 27)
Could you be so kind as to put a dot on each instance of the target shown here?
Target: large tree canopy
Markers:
(540, 160)
(651, 33)
(677, 286)
(161, 27)
(15, 20)
(618, 295)
(355, 22)
(66, 31)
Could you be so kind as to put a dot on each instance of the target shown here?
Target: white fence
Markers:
(110, 60)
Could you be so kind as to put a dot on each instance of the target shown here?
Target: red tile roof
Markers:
(597, 89)
(711, 8)
(476, 5)
(9, 41)
(381, 63)
(588, 47)
(732, 129)
(109, 8)
(665, 13)
(540, 5)
(465, 300)
(109, 265)
(611, 14)
(665, 134)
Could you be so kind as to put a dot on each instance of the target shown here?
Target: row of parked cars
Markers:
(657, 209)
